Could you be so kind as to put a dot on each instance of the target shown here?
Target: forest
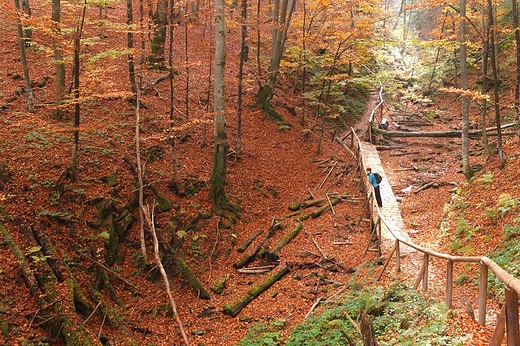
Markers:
(171, 173)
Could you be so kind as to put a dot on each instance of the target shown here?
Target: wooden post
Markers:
(378, 232)
(500, 329)
(513, 334)
(397, 256)
(425, 273)
(482, 294)
(449, 284)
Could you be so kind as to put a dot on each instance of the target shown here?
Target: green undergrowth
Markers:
(400, 315)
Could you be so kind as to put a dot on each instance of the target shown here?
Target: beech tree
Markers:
(71, 173)
(60, 64)
(243, 57)
(23, 56)
(220, 141)
(494, 66)
(517, 81)
(282, 13)
(464, 86)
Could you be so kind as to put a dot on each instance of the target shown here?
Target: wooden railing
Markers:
(508, 320)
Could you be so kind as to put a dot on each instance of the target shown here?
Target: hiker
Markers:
(372, 180)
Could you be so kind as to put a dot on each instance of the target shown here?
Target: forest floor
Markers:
(277, 168)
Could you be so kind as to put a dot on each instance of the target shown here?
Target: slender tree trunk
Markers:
(485, 81)
(494, 66)
(258, 43)
(172, 95)
(304, 60)
(243, 58)
(23, 56)
(60, 64)
(464, 85)
(140, 176)
(221, 145)
(281, 21)
(75, 133)
(517, 82)
(130, 42)
(27, 31)
(186, 60)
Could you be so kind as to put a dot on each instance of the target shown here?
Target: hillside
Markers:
(124, 301)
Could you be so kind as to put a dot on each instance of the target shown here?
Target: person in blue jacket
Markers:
(372, 180)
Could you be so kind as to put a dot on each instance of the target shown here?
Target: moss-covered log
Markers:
(194, 282)
(251, 255)
(321, 210)
(295, 206)
(288, 237)
(234, 309)
(219, 286)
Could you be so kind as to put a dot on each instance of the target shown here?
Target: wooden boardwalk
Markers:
(390, 210)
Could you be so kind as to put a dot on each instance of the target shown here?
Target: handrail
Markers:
(511, 284)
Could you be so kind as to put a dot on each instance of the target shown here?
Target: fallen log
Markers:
(235, 308)
(245, 244)
(405, 153)
(424, 187)
(285, 240)
(326, 207)
(251, 255)
(440, 134)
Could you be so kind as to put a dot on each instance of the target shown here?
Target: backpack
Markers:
(378, 177)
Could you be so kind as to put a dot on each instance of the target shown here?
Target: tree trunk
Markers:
(244, 48)
(517, 82)
(485, 80)
(367, 331)
(494, 65)
(130, 43)
(71, 174)
(221, 145)
(23, 56)
(172, 90)
(464, 86)
(156, 59)
(60, 64)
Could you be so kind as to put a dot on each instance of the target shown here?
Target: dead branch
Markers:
(320, 250)
(326, 177)
(313, 307)
(346, 147)
(149, 215)
(256, 270)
